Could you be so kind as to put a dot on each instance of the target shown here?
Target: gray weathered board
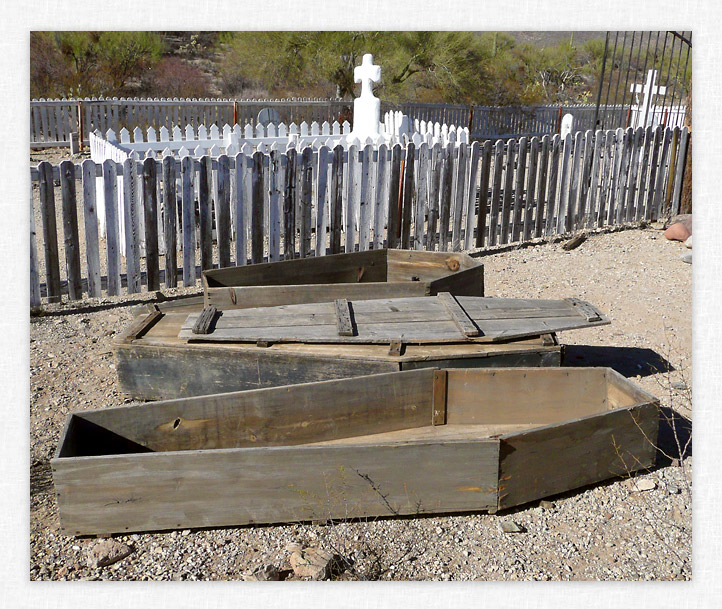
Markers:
(366, 275)
(422, 441)
(444, 318)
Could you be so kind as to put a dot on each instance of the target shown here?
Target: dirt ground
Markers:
(606, 532)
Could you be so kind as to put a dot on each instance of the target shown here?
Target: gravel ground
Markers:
(610, 531)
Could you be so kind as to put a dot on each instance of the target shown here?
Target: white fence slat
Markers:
(322, 198)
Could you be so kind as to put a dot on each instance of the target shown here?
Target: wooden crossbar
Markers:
(460, 317)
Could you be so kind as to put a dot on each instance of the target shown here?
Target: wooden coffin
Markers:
(415, 442)
(386, 273)
(418, 320)
(153, 363)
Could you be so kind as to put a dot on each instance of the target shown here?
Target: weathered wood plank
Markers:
(132, 228)
(223, 212)
(553, 459)
(509, 166)
(659, 187)
(205, 320)
(563, 200)
(336, 201)
(458, 315)
(616, 168)
(321, 200)
(409, 196)
(394, 216)
(552, 208)
(594, 179)
(70, 230)
(458, 195)
(289, 206)
(528, 226)
(622, 187)
(519, 200)
(189, 222)
(171, 222)
(581, 216)
(150, 206)
(50, 232)
(631, 198)
(344, 325)
(448, 160)
(240, 205)
(496, 192)
(679, 170)
(434, 184)
(421, 196)
(470, 195)
(541, 208)
(257, 209)
(305, 202)
(205, 211)
(276, 176)
(353, 195)
(483, 194)
(366, 199)
(35, 300)
(90, 217)
(110, 187)
(572, 209)
(382, 196)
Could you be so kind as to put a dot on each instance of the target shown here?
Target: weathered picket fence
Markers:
(52, 121)
(299, 203)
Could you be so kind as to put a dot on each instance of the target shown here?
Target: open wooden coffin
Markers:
(385, 273)
(153, 363)
(415, 442)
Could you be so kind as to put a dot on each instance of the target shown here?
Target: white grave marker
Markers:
(567, 125)
(649, 89)
(367, 107)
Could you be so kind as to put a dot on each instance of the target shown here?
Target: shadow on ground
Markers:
(628, 361)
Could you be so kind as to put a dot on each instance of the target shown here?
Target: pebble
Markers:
(509, 526)
(645, 484)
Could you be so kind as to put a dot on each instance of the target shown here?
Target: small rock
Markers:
(509, 526)
(312, 562)
(107, 552)
(266, 573)
(185, 532)
(293, 547)
(642, 485)
(439, 530)
(687, 258)
(673, 489)
(688, 243)
(546, 505)
(679, 385)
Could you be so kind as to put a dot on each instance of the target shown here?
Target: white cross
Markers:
(649, 89)
(366, 73)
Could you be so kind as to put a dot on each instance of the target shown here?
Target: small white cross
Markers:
(649, 89)
(366, 73)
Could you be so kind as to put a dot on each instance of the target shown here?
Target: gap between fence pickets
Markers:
(425, 184)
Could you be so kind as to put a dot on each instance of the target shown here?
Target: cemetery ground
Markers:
(624, 529)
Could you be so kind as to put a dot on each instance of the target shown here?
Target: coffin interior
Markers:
(384, 408)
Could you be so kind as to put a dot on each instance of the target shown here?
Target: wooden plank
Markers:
(527, 229)
(594, 179)
(50, 234)
(445, 195)
(483, 194)
(205, 320)
(542, 191)
(469, 282)
(572, 210)
(627, 142)
(70, 230)
(305, 203)
(629, 204)
(509, 163)
(552, 193)
(519, 194)
(169, 195)
(90, 217)
(387, 480)
(205, 203)
(35, 301)
(421, 196)
(470, 195)
(563, 200)
(438, 404)
(240, 216)
(644, 172)
(189, 222)
(110, 186)
(344, 325)
(615, 168)
(276, 416)
(141, 325)
(223, 212)
(606, 170)
(393, 223)
(353, 188)
(150, 208)
(458, 314)
(581, 217)
(679, 170)
(276, 176)
(584, 309)
(496, 192)
(366, 199)
(336, 199)
(289, 206)
(459, 195)
(652, 179)
(660, 183)
(554, 459)
(132, 229)
(409, 196)
(381, 195)
(321, 199)
(437, 153)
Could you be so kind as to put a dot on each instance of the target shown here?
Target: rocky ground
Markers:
(633, 529)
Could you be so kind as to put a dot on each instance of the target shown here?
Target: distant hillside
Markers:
(552, 38)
